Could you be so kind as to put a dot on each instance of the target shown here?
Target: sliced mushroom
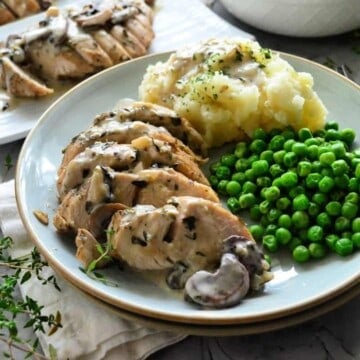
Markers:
(226, 287)
(251, 256)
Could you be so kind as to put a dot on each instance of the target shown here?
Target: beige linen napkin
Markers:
(89, 332)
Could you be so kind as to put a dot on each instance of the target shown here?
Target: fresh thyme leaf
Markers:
(329, 62)
(20, 270)
(8, 162)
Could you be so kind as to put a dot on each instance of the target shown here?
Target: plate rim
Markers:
(158, 314)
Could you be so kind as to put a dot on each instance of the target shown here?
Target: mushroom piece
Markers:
(224, 288)
(251, 256)
(177, 276)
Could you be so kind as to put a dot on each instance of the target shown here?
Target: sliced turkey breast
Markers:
(150, 186)
(187, 229)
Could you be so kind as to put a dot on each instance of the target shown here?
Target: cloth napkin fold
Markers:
(89, 332)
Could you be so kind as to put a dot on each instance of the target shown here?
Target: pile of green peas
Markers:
(300, 189)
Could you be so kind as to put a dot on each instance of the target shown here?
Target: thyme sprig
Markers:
(20, 270)
(104, 251)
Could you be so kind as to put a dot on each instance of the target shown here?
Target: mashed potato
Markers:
(228, 88)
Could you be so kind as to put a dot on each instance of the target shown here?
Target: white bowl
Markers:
(301, 18)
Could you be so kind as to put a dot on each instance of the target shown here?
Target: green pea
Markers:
(312, 180)
(276, 143)
(263, 181)
(272, 193)
(344, 247)
(299, 149)
(353, 184)
(320, 199)
(279, 156)
(315, 233)
(259, 133)
(354, 162)
(241, 150)
(288, 144)
(312, 152)
(239, 177)
(301, 202)
(276, 170)
(288, 133)
(270, 229)
(265, 206)
(312, 141)
(338, 149)
(300, 219)
(267, 155)
(242, 165)
(257, 146)
(327, 158)
(348, 136)
(233, 188)
(289, 179)
(270, 243)
(326, 184)
(247, 200)
(255, 213)
(283, 235)
(257, 231)
(355, 238)
(249, 187)
(228, 160)
(223, 173)
(260, 167)
(349, 210)
(304, 168)
(342, 224)
(313, 209)
(273, 214)
(339, 167)
(301, 254)
(317, 251)
(324, 220)
(331, 125)
(290, 159)
(233, 205)
(214, 181)
(304, 134)
(333, 208)
(332, 135)
(213, 167)
(331, 240)
(277, 182)
(284, 221)
(283, 203)
(221, 188)
(355, 225)
(250, 175)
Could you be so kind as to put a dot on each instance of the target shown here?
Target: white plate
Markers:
(175, 24)
(294, 288)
